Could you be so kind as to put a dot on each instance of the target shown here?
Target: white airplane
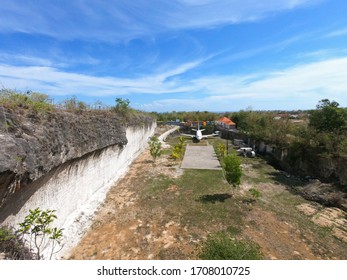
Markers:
(198, 135)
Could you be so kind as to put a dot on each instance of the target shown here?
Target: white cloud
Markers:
(294, 85)
(298, 87)
(327, 76)
(116, 20)
(57, 82)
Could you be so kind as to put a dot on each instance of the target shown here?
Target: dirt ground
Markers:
(284, 225)
(123, 231)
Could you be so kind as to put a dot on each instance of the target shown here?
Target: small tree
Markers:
(177, 152)
(232, 169)
(155, 147)
(221, 150)
(328, 117)
(38, 226)
(122, 105)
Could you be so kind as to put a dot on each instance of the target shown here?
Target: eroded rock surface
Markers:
(32, 144)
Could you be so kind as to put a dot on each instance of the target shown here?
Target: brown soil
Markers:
(125, 229)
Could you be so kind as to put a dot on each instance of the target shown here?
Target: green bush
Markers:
(155, 147)
(221, 150)
(35, 101)
(177, 152)
(37, 226)
(232, 167)
(13, 246)
(122, 105)
(222, 246)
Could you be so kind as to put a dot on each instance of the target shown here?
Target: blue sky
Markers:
(178, 55)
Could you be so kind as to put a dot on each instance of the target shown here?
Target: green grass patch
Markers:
(157, 185)
(199, 198)
(223, 246)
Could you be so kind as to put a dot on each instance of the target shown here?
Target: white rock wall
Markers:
(77, 190)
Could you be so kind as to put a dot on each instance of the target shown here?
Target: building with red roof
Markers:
(226, 123)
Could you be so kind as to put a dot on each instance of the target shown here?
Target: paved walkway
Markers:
(200, 157)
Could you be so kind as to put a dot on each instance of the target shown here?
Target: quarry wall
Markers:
(68, 166)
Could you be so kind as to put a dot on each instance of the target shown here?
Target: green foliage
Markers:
(155, 147)
(186, 116)
(232, 167)
(6, 234)
(325, 135)
(38, 226)
(35, 101)
(177, 152)
(73, 105)
(223, 246)
(263, 126)
(12, 245)
(328, 117)
(254, 192)
(221, 150)
(122, 105)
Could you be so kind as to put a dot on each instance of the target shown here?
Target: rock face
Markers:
(32, 145)
(66, 162)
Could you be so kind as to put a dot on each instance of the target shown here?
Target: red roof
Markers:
(226, 121)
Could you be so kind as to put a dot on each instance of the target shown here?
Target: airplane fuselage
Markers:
(198, 134)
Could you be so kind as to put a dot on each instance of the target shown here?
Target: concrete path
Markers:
(200, 157)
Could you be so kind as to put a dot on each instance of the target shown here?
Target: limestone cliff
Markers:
(32, 144)
(65, 162)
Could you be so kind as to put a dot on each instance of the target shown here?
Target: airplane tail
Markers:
(198, 128)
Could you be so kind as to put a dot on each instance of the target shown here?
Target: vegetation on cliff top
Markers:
(40, 104)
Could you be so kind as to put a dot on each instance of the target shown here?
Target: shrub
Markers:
(38, 102)
(13, 246)
(177, 152)
(221, 150)
(37, 225)
(222, 246)
(232, 169)
(155, 147)
(122, 105)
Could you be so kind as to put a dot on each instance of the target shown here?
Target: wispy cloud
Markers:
(22, 59)
(297, 87)
(322, 54)
(58, 82)
(312, 81)
(241, 55)
(314, 78)
(337, 33)
(116, 20)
